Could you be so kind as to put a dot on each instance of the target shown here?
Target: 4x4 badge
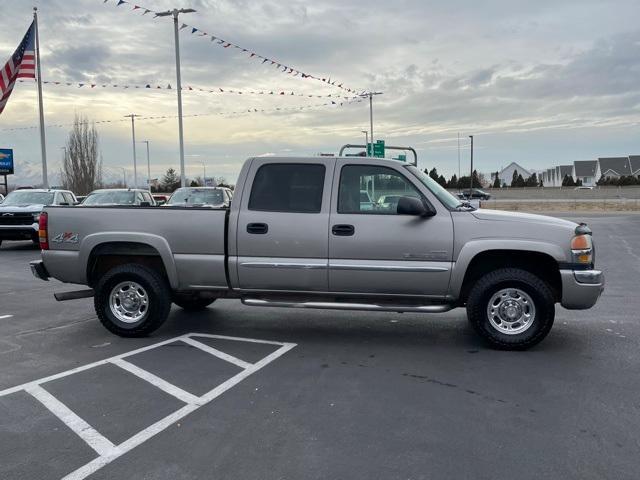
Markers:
(66, 237)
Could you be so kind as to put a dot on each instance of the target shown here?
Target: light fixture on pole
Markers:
(470, 191)
(133, 133)
(370, 95)
(175, 12)
(366, 141)
(148, 165)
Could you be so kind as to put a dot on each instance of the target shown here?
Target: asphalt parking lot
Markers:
(299, 394)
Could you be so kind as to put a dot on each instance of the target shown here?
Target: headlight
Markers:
(582, 249)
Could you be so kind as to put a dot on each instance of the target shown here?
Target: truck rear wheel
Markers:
(192, 302)
(132, 300)
(511, 308)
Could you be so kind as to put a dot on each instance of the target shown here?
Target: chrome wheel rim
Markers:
(511, 311)
(129, 302)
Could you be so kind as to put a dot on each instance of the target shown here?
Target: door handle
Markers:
(343, 230)
(257, 228)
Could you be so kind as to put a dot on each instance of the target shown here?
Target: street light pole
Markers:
(175, 12)
(133, 134)
(370, 95)
(366, 140)
(204, 174)
(148, 166)
(471, 137)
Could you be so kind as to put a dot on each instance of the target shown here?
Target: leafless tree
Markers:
(81, 170)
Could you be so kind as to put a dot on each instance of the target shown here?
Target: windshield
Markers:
(189, 196)
(445, 197)
(28, 198)
(110, 198)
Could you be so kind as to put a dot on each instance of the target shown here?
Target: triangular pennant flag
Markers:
(228, 45)
(169, 87)
(147, 86)
(212, 38)
(146, 10)
(252, 55)
(136, 7)
(184, 25)
(194, 30)
(120, 2)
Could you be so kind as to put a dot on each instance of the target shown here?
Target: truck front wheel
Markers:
(132, 300)
(512, 309)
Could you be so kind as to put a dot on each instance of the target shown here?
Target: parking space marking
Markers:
(2, 317)
(217, 353)
(156, 381)
(107, 451)
(99, 443)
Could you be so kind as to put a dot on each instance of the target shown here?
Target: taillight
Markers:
(43, 233)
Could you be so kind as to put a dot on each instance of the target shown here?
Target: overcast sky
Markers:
(540, 83)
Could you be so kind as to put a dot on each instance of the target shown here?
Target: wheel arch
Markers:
(540, 259)
(102, 252)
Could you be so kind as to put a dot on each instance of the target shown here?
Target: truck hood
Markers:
(501, 215)
(27, 208)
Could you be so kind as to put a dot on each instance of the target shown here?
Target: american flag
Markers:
(22, 64)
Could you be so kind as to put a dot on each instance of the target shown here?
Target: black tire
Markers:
(192, 302)
(490, 284)
(157, 309)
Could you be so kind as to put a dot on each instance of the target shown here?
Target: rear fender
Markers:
(90, 242)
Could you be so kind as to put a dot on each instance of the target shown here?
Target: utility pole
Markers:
(133, 133)
(366, 140)
(43, 143)
(175, 12)
(370, 95)
(148, 166)
(471, 137)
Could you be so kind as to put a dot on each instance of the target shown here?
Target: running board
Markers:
(75, 295)
(440, 308)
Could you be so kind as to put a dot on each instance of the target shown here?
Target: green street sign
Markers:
(378, 149)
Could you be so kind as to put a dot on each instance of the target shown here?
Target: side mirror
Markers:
(414, 206)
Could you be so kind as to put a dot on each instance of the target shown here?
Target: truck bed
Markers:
(188, 238)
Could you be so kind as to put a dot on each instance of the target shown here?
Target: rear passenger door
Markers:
(282, 230)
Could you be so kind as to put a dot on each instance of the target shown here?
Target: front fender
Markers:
(155, 241)
(474, 247)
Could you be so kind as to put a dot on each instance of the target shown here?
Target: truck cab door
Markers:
(373, 249)
(282, 225)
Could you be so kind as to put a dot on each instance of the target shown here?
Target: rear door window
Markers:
(288, 187)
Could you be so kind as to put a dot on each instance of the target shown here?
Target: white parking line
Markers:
(216, 353)
(2, 317)
(156, 381)
(106, 450)
(85, 431)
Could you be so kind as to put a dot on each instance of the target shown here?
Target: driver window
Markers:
(368, 189)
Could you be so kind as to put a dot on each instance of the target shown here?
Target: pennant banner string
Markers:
(235, 113)
(217, 90)
(220, 42)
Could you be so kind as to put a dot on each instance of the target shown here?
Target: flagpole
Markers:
(43, 146)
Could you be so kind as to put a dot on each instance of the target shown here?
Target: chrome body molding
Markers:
(303, 266)
(386, 268)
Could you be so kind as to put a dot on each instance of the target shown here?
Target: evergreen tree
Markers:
(496, 181)
(514, 179)
(453, 183)
(434, 174)
(170, 181)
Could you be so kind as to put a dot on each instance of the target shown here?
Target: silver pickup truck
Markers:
(297, 234)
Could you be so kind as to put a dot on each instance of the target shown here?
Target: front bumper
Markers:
(19, 232)
(581, 288)
(39, 270)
